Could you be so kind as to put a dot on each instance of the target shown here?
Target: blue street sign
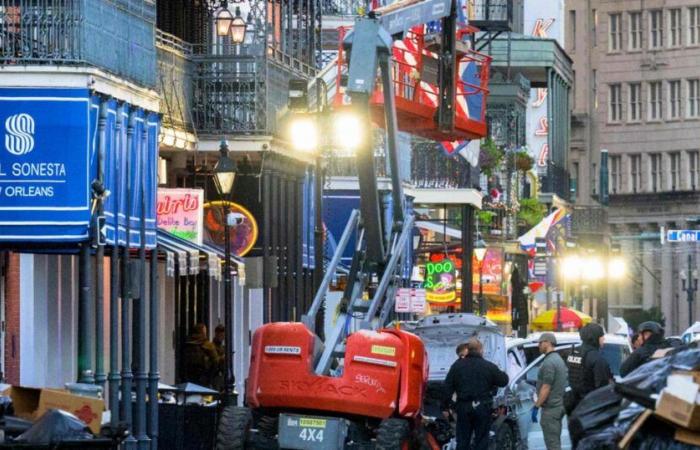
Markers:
(45, 164)
(683, 236)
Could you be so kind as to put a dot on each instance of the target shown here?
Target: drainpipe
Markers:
(85, 374)
(153, 375)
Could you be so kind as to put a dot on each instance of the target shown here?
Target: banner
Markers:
(180, 212)
(46, 164)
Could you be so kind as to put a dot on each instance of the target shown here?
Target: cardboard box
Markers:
(678, 411)
(687, 437)
(31, 403)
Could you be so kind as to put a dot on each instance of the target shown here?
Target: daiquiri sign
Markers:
(179, 212)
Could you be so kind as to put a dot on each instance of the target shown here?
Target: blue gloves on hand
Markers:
(533, 414)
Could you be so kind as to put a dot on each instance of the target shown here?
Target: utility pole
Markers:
(690, 286)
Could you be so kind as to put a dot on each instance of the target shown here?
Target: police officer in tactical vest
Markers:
(588, 370)
(652, 336)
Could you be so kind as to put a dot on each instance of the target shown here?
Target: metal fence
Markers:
(556, 181)
(114, 35)
(431, 168)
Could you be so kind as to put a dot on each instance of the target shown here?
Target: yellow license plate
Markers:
(312, 423)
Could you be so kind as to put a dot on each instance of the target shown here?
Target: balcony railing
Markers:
(556, 181)
(430, 169)
(495, 15)
(74, 32)
(175, 70)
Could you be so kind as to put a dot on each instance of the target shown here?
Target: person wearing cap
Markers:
(652, 339)
(474, 380)
(552, 379)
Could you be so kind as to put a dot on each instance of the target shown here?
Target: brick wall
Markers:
(12, 280)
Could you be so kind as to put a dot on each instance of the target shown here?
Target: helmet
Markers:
(652, 326)
(591, 333)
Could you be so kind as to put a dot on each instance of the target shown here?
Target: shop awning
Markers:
(187, 255)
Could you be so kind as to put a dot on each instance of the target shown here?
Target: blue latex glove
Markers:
(533, 413)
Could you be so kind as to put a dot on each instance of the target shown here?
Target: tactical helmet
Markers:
(653, 327)
(591, 333)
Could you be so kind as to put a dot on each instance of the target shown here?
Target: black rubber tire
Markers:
(393, 434)
(504, 439)
(234, 427)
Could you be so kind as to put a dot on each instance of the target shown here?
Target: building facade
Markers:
(636, 95)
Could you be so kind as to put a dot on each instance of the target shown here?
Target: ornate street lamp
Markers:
(480, 253)
(238, 28)
(224, 176)
(226, 23)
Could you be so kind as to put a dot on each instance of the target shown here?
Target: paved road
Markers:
(535, 440)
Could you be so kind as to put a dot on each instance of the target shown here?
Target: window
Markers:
(614, 103)
(615, 32)
(656, 29)
(694, 168)
(656, 172)
(655, 100)
(595, 28)
(675, 160)
(615, 174)
(572, 92)
(674, 27)
(693, 98)
(635, 97)
(636, 172)
(634, 40)
(572, 27)
(694, 25)
(594, 179)
(674, 99)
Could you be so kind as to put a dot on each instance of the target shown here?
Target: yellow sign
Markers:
(440, 298)
(382, 350)
(312, 423)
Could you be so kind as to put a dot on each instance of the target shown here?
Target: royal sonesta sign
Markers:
(45, 164)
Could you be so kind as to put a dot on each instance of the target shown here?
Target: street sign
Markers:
(418, 301)
(683, 236)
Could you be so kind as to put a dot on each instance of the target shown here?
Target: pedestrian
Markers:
(462, 350)
(636, 341)
(552, 379)
(652, 338)
(475, 382)
(219, 342)
(588, 370)
(200, 357)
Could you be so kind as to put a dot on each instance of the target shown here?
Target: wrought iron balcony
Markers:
(495, 15)
(114, 35)
(175, 69)
(431, 169)
(556, 181)
(343, 7)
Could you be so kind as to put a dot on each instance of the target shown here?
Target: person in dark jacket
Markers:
(588, 370)
(475, 382)
(652, 334)
(200, 357)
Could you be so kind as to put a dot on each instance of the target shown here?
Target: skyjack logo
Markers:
(541, 27)
(19, 134)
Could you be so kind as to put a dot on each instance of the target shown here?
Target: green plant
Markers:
(531, 211)
(490, 157)
(523, 161)
(485, 217)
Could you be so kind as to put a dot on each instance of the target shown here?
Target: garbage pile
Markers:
(656, 407)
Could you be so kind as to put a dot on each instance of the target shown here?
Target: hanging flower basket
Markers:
(523, 161)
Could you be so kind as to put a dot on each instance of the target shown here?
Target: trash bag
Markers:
(598, 409)
(55, 426)
(652, 375)
(605, 439)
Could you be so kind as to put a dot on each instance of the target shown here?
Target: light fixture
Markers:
(238, 28)
(617, 268)
(303, 133)
(571, 267)
(348, 132)
(592, 269)
(223, 19)
(224, 172)
(480, 250)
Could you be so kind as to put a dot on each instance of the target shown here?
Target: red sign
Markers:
(491, 272)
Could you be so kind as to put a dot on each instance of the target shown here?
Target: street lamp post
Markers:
(690, 286)
(480, 254)
(224, 176)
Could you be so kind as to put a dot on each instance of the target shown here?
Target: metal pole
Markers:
(482, 304)
(559, 294)
(100, 375)
(467, 298)
(114, 376)
(85, 374)
(690, 290)
(127, 376)
(154, 375)
(228, 397)
(140, 374)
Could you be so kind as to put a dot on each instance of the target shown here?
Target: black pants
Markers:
(473, 421)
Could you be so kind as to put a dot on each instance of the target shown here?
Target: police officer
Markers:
(652, 336)
(475, 381)
(588, 370)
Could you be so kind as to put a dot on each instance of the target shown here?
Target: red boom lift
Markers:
(364, 388)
